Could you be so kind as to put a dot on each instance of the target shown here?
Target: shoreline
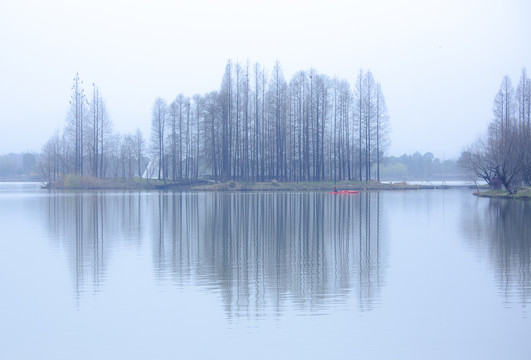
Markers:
(521, 194)
(75, 183)
(72, 182)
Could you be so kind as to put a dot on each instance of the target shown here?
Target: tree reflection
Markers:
(505, 234)
(509, 236)
(86, 225)
(265, 252)
(262, 251)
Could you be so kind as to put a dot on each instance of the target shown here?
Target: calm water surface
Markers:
(435, 274)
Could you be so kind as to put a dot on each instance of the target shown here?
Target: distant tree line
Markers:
(88, 145)
(18, 166)
(258, 128)
(420, 167)
(503, 156)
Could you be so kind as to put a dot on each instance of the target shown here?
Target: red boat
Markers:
(344, 192)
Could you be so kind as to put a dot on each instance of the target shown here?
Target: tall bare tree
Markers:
(212, 119)
(139, 144)
(523, 94)
(225, 98)
(381, 124)
(359, 116)
(77, 123)
(99, 128)
(158, 133)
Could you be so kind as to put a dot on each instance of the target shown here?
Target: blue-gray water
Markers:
(436, 274)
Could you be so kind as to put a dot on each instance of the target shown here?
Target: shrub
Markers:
(71, 181)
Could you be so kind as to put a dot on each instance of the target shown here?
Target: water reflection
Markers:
(261, 249)
(86, 226)
(503, 231)
(261, 252)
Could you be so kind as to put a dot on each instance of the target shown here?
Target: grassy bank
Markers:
(523, 194)
(304, 186)
(74, 182)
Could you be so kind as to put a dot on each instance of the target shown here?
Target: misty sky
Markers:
(440, 63)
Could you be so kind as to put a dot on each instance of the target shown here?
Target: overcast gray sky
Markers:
(440, 63)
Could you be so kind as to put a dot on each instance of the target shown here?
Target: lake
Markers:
(416, 274)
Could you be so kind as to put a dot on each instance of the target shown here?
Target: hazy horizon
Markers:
(440, 64)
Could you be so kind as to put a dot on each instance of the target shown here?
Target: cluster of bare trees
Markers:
(88, 145)
(256, 127)
(260, 127)
(175, 136)
(503, 156)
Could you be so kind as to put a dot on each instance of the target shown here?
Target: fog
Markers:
(440, 63)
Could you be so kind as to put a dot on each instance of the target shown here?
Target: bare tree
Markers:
(501, 156)
(506, 155)
(139, 143)
(188, 140)
(49, 165)
(225, 98)
(77, 123)
(212, 119)
(196, 138)
(105, 138)
(158, 132)
(127, 155)
(359, 110)
(475, 162)
(99, 127)
(368, 123)
(344, 137)
(504, 108)
(277, 95)
(381, 123)
(523, 94)
(94, 133)
(175, 138)
(246, 128)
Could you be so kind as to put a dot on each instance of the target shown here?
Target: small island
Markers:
(271, 134)
(74, 182)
